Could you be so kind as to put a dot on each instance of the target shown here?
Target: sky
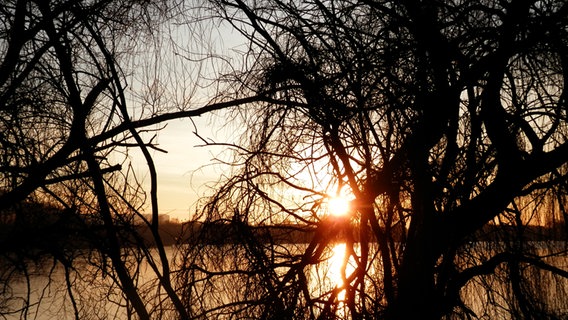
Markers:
(185, 172)
(188, 170)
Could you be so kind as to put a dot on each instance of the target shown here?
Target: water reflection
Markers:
(340, 268)
(329, 282)
(216, 293)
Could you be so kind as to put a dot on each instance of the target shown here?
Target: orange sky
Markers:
(183, 172)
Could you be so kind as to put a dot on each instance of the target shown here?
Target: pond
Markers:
(43, 293)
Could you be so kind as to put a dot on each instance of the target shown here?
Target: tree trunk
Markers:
(417, 297)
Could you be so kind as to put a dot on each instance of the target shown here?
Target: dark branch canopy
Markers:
(440, 120)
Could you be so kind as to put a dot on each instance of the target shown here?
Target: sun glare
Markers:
(338, 206)
(336, 263)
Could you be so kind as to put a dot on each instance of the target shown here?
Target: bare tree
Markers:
(68, 119)
(445, 124)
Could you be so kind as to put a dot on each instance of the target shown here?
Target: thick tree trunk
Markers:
(417, 297)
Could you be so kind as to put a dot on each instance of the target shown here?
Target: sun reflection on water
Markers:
(339, 268)
(335, 268)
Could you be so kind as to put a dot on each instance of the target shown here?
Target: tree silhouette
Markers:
(80, 87)
(445, 124)
(442, 122)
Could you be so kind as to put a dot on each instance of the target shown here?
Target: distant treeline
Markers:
(44, 229)
(228, 232)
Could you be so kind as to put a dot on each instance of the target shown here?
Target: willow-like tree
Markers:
(81, 85)
(444, 122)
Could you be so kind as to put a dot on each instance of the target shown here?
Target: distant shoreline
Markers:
(225, 233)
(56, 237)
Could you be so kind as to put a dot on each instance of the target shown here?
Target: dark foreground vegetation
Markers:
(443, 122)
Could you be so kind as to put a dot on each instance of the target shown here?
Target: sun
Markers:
(338, 206)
